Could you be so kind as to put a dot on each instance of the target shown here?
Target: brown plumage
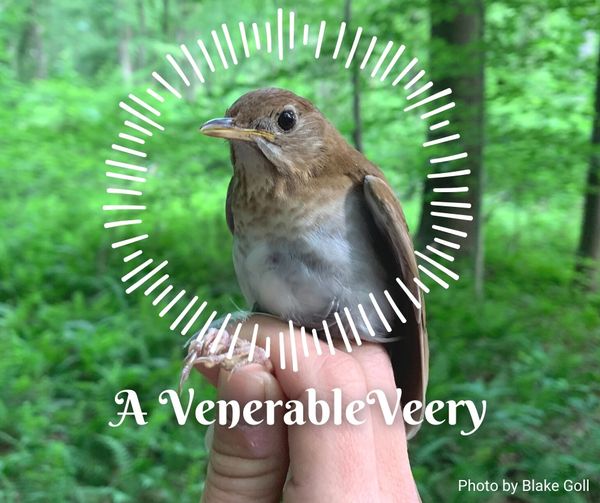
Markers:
(317, 228)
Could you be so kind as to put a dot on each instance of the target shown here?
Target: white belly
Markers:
(308, 276)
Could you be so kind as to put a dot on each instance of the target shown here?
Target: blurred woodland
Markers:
(520, 329)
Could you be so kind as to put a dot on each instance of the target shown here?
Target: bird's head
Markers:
(288, 130)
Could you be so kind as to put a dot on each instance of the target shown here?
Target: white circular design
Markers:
(148, 116)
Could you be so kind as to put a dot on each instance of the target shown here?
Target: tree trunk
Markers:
(125, 48)
(165, 18)
(457, 62)
(31, 56)
(588, 252)
(355, 86)
(142, 39)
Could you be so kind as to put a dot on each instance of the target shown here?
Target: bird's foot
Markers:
(211, 351)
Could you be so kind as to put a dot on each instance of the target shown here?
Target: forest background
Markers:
(520, 329)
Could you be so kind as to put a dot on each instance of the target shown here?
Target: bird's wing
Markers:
(410, 356)
(228, 210)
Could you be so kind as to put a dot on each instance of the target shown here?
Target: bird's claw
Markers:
(212, 350)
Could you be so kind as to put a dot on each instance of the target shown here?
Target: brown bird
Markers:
(317, 229)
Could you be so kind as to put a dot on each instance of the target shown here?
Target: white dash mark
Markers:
(121, 223)
(448, 158)
(126, 242)
(152, 287)
(132, 138)
(280, 33)
(451, 189)
(366, 320)
(394, 306)
(219, 49)
(415, 79)
(454, 216)
(168, 307)
(434, 277)
(421, 285)
(352, 327)
(421, 90)
(281, 351)
(137, 127)
(354, 46)
(442, 268)
(128, 150)
(293, 350)
(439, 125)
(133, 255)
(338, 44)
(178, 69)
(183, 313)
(217, 340)
(256, 36)
(268, 346)
(444, 139)
(405, 70)
(253, 342)
(207, 57)
(304, 341)
(205, 327)
(242, 27)
(229, 44)
(140, 116)
(162, 295)
(133, 272)
(439, 253)
(143, 104)
(390, 67)
(316, 342)
(449, 231)
(234, 339)
(139, 283)
(268, 34)
(125, 165)
(408, 293)
(433, 97)
(381, 59)
(368, 53)
(292, 19)
(343, 332)
(328, 338)
(439, 110)
(449, 244)
(194, 318)
(192, 62)
(166, 85)
(124, 191)
(120, 176)
(305, 35)
(379, 313)
(117, 207)
(155, 95)
(320, 39)
(449, 204)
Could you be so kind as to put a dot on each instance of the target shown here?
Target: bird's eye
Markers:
(286, 120)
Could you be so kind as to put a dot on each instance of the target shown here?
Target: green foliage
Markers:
(70, 338)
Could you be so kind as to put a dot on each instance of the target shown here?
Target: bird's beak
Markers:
(225, 128)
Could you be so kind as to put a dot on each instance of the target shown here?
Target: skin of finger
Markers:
(393, 466)
(334, 462)
(247, 463)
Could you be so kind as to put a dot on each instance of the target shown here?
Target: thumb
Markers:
(247, 463)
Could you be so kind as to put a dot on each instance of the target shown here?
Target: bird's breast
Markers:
(301, 258)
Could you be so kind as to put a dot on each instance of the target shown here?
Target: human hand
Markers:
(325, 463)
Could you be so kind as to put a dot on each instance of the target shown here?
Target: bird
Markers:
(317, 230)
